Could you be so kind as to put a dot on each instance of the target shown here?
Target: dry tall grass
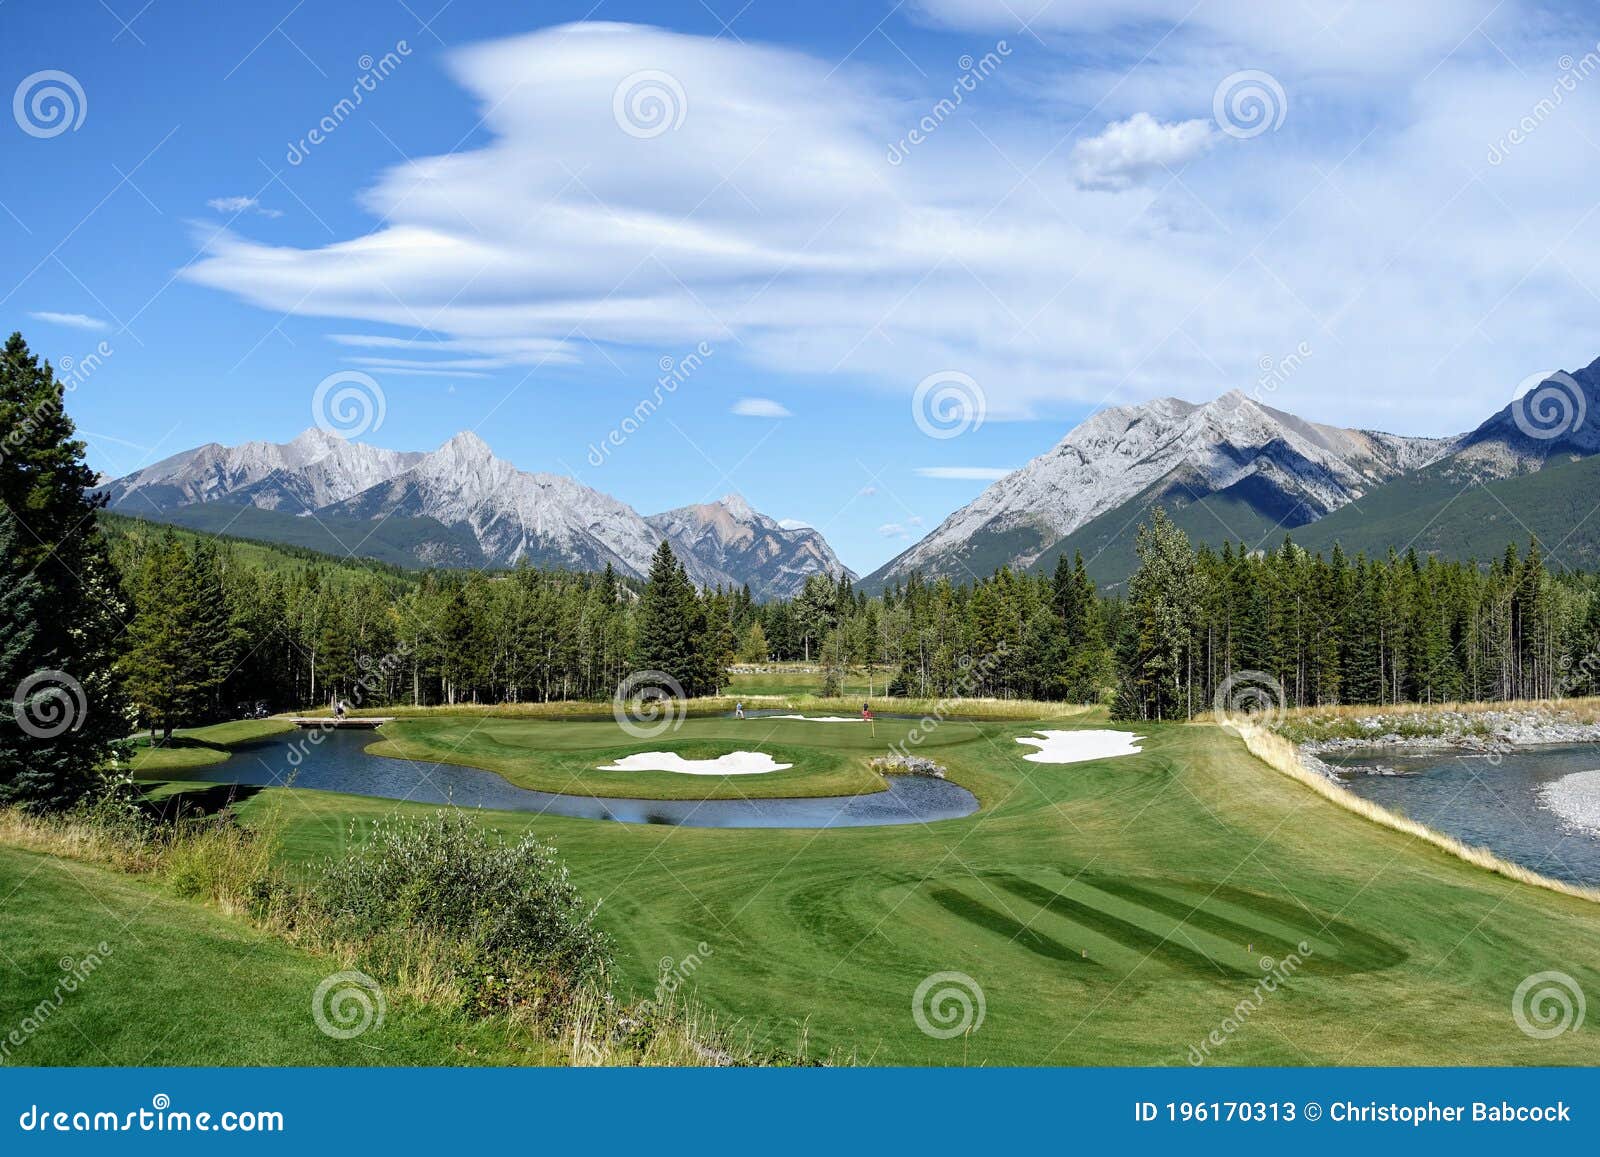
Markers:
(1579, 710)
(1282, 755)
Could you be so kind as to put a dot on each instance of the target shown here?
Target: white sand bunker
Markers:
(734, 763)
(1576, 799)
(1077, 746)
(822, 718)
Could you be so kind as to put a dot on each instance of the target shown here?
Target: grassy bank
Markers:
(1280, 753)
(192, 747)
(198, 948)
(182, 983)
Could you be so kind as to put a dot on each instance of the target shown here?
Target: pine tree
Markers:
(753, 648)
(668, 617)
(160, 665)
(76, 620)
(1163, 598)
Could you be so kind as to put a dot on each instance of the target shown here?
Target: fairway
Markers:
(1117, 911)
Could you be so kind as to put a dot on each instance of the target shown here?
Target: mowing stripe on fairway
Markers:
(1193, 912)
(1144, 941)
(1357, 950)
(976, 912)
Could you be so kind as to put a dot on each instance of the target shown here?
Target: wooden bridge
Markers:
(330, 722)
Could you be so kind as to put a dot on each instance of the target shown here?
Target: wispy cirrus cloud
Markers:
(965, 473)
(70, 320)
(767, 213)
(761, 408)
(240, 204)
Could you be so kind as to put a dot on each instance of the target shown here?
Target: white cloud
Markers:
(237, 205)
(1129, 151)
(794, 524)
(70, 320)
(893, 530)
(965, 473)
(761, 408)
(1370, 227)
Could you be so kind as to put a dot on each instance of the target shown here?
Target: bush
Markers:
(442, 898)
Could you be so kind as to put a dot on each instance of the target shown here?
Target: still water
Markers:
(1487, 801)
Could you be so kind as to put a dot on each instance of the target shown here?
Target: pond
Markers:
(337, 762)
(1493, 801)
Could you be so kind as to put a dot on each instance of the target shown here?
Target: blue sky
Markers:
(536, 206)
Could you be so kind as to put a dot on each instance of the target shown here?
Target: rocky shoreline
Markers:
(1477, 732)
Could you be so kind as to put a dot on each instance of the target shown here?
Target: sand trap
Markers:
(1077, 746)
(1576, 799)
(822, 718)
(734, 763)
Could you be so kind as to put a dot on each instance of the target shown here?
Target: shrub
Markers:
(216, 858)
(445, 899)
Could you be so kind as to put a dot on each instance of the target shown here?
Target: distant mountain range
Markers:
(1236, 469)
(1233, 469)
(458, 506)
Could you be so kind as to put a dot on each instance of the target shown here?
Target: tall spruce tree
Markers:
(72, 627)
(668, 614)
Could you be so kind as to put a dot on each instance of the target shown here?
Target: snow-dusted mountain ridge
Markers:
(1120, 453)
(512, 514)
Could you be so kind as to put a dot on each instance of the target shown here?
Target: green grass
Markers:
(192, 747)
(184, 985)
(1113, 912)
